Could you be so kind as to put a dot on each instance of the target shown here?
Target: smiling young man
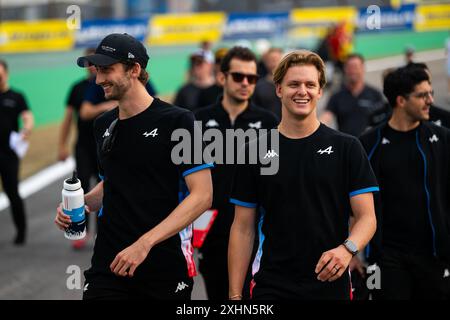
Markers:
(143, 245)
(304, 242)
(410, 157)
(233, 110)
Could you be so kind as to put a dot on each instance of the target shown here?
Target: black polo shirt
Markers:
(141, 188)
(12, 104)
(353, 113)
(216, 117)
(306, 205)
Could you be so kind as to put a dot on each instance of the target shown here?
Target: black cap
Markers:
(115, 48)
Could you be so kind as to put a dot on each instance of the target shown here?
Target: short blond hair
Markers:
(299, 58)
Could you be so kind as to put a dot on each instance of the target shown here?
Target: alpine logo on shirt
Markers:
(385, 141)
(152, 133)
(434, 138)
(328, 150)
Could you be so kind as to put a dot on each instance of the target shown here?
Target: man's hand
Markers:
(62, 220)
(333, 263)
(127, 260)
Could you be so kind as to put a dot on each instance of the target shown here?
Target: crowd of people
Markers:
(372, 192)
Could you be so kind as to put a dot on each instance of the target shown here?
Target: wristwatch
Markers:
(351, 247)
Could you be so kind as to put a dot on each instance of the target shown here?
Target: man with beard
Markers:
(410, 158)
(143, 246)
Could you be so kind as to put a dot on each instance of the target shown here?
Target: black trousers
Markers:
(407, 276)
(9, 172)
(306, 289)
(87, 169)
(117, 288)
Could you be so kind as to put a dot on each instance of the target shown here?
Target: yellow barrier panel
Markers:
(432, 17)
(314, 22)
(173, 29)
(19, 36)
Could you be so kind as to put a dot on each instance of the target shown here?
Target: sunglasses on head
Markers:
(239, 77)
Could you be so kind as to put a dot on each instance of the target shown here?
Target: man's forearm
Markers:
(239, 253)
(184, 214)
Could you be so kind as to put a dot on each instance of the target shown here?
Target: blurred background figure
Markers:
(85, 149)
(206, 51)
(409, 55)
(353, 104)
(12, 107)
(324, 51)
(200, 76)
(209, 95)
(265, 95)
(340, 43)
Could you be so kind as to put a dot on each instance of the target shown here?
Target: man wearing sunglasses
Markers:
(410, 157)
(233, 110)
(143, 245)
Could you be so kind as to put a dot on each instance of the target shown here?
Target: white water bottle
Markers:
(73, 205)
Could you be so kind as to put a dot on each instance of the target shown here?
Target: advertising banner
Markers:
(432, 17)
(182, 29)
(93, 31)
(255, 26)
(44, 35)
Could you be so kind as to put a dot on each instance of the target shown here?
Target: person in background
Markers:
(200, 77)
(12, 107)
(355, 101)
(410, 158)
(209, 95)
(265, 95)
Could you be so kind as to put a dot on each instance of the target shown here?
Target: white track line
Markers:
(40, 180)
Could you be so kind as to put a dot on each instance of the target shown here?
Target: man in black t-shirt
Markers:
(353, 105)
(410, 157)
(233, 111)
(143, 246)
(304, 241)
(12, 106)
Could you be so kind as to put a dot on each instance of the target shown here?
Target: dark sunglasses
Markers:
(239, 77)
(108, 142)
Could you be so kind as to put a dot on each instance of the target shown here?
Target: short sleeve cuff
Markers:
(198, 168)
(365, 190)
(243, 204)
